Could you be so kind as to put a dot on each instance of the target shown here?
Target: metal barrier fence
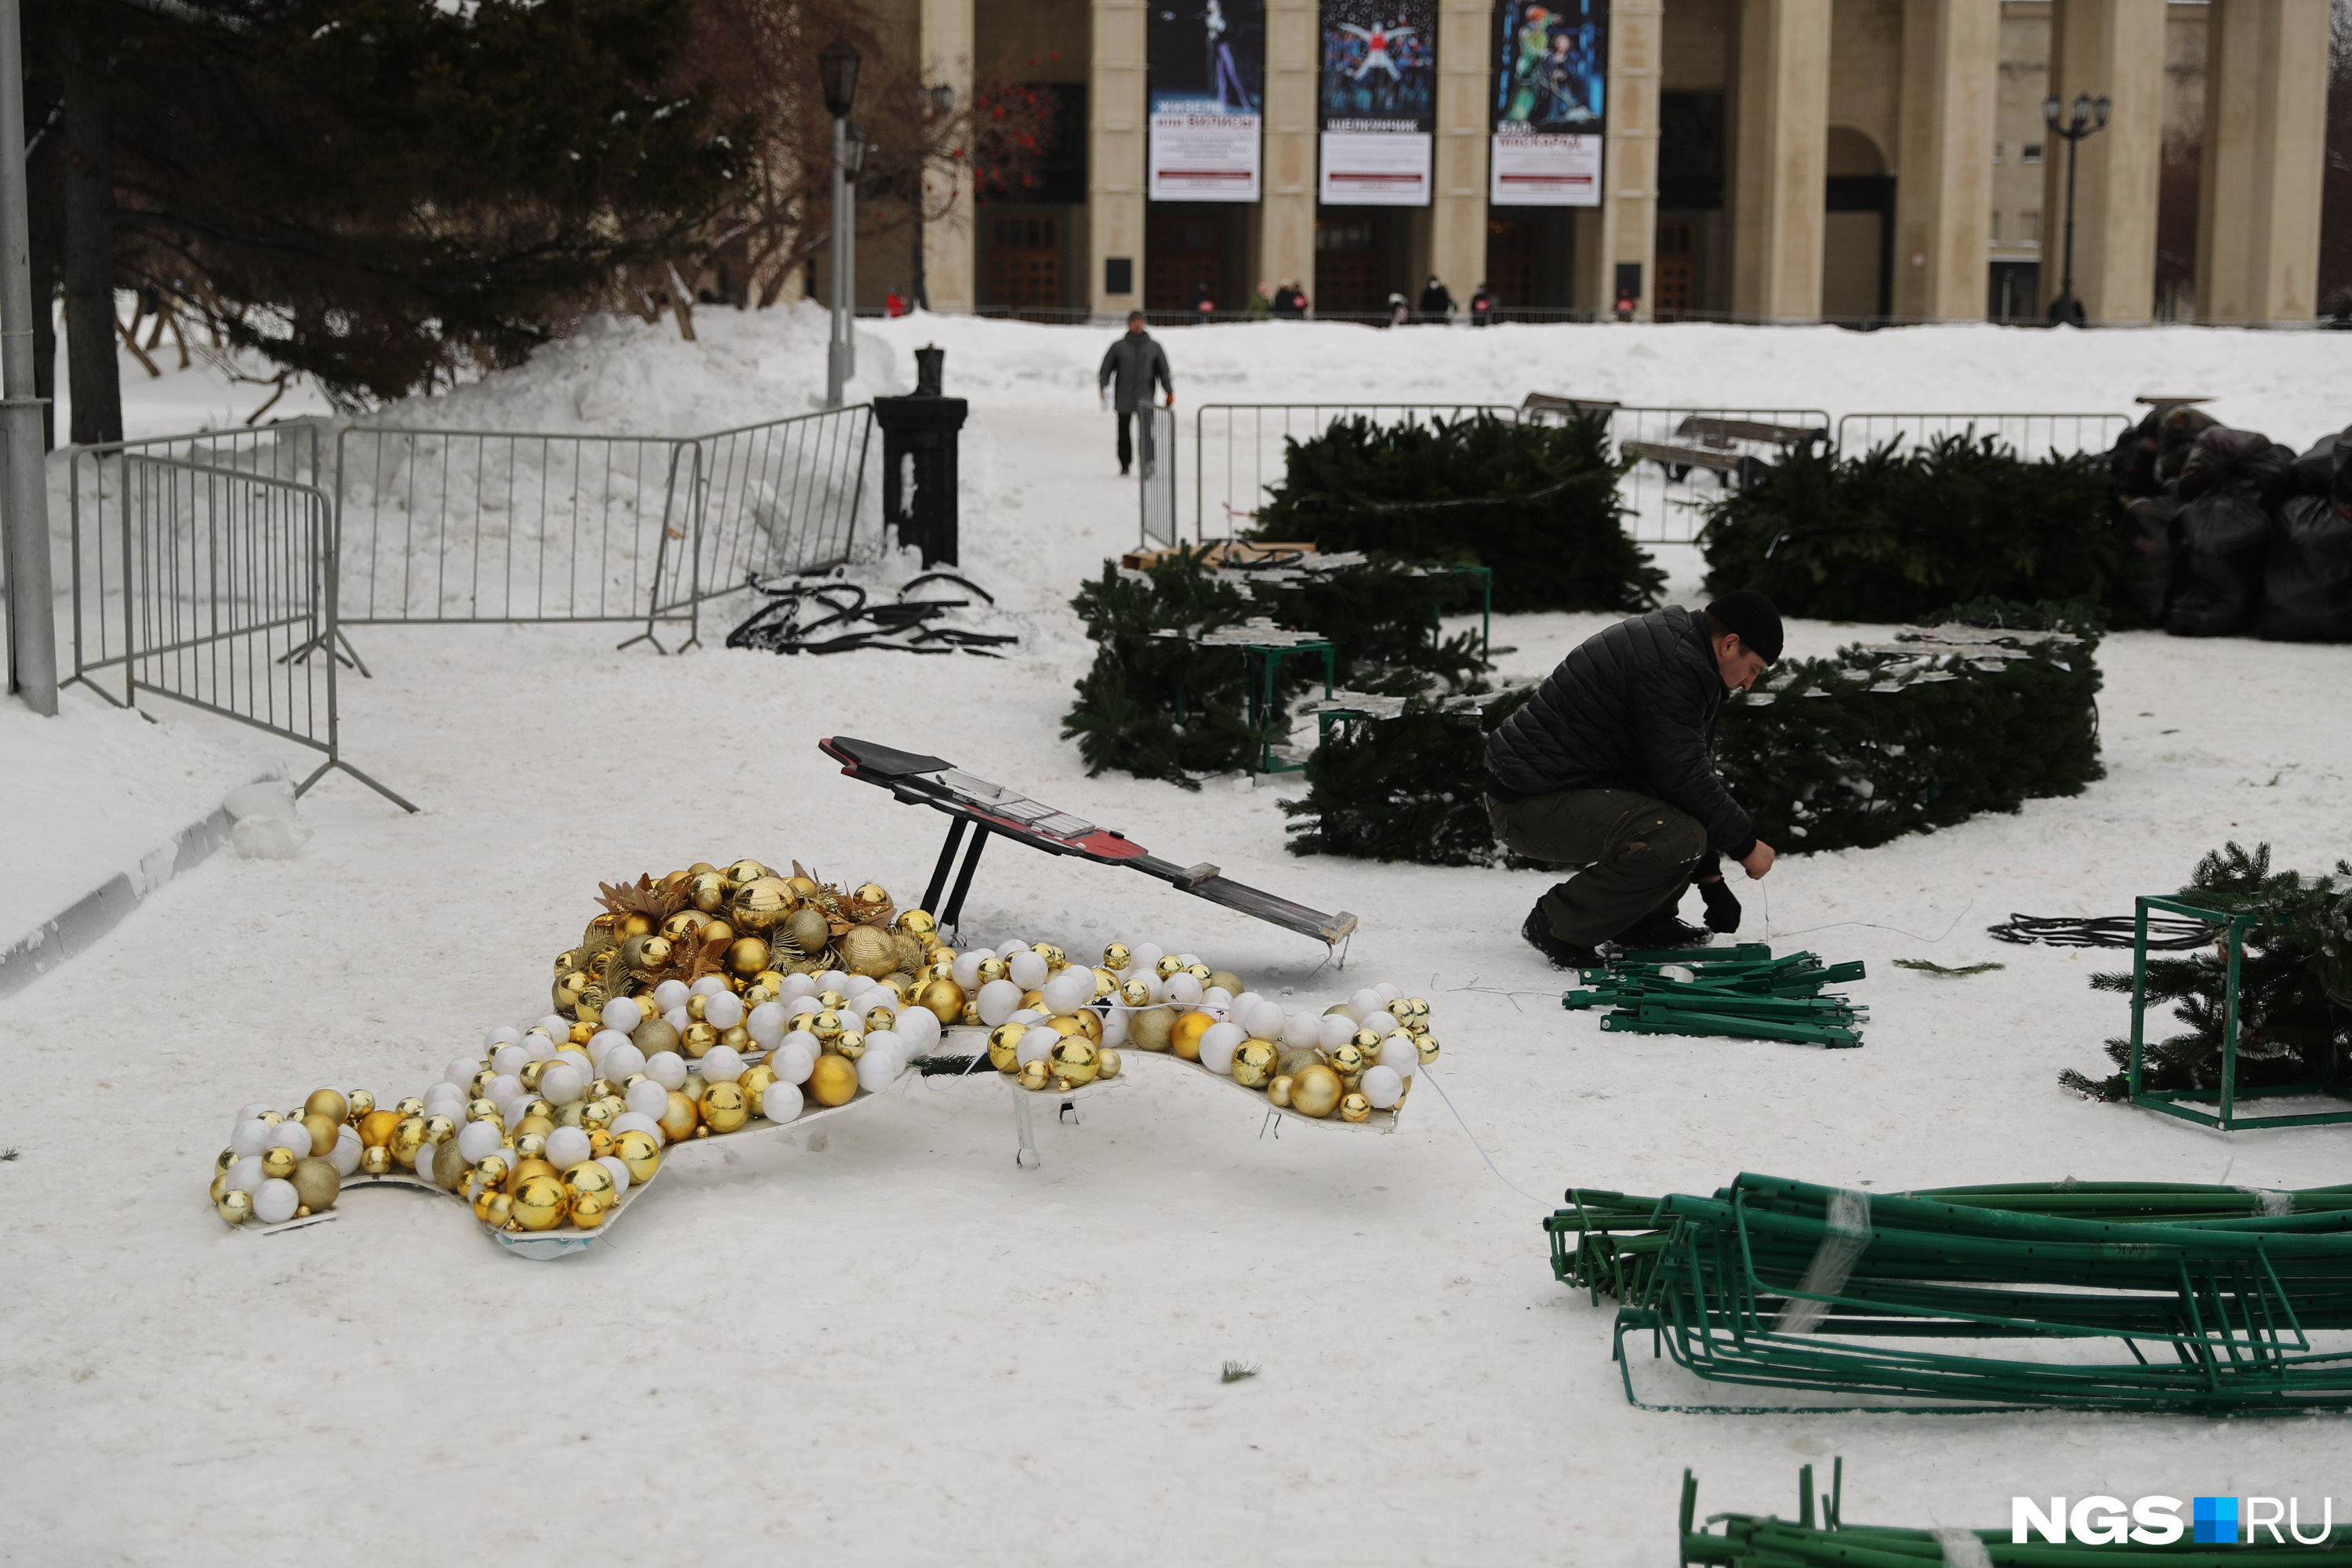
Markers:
(228, 577)
(783, 495)
(1238, 449)
(2031, 435)
(1684, 458)
(1155, 466)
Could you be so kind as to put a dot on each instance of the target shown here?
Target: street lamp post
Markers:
(836, 66)
(2088, 118)
(942, 102)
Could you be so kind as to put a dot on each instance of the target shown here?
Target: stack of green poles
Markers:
(1740, 992)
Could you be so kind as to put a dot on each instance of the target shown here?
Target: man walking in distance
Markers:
(1128, 372)
(1609, 767)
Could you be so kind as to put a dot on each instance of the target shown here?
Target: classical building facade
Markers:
(1776, 159)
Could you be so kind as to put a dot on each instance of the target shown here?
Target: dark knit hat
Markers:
(1751, 614)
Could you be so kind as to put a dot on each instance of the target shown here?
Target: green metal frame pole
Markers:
(2139, 990)
(25, 508)
(2236, 940)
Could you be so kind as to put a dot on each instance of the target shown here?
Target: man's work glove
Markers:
(1722, 905)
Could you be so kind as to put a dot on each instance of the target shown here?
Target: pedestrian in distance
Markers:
(1436, 302)
(1290, 302)
(1204, 304)
(1610, 767)
(1399, 313)
(1260, 306)
(1482, 305)
(1133, 366)
(893, 305)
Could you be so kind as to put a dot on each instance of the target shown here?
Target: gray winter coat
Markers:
(1632, 707)
(1136, 362)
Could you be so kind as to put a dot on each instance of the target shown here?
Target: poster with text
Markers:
(1551, 66)
(1376, 102)
(1208, 98)
(1531, 169)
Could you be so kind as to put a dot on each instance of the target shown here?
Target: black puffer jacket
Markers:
(1632, 708)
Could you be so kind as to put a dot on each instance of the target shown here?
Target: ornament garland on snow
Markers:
(713, 999)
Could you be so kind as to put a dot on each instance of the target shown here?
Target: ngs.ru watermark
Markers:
(2158, 1521)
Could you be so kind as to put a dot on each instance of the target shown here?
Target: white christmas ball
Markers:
(1188, 959)
(1246, 999)
(793, 1062)
(1115, 1027)
(1037, 1044)
(251, 1137)
(555, 1026)
(1302, 1029)
(540, 1045)
(245, 1177)
(1334, 1030)
(461, 1070)
(667, 1069)
(1146, 954)
(708, 985)
(511, 1058)
(477, 1140)
(634, 1121)
(604, 1040)
(646, 1097)
(255, 1109)
(721, 1063)
(1265, 1020)
(781, 1101)
(966, 969)
(580, 1059)
(1378, 1021)
(290, 1135)
(566, 1147)
(450, 1103)
(997, 999)
(622, 1012)
(890, 1040)
(1388, 993)
(671, 993)
(1218, 1042)
(1012, 947)
(678, 1018)
(619, 1169)
(919, 1027)
(724, 1010)
(1070, 990)
(1184, 990)
(274, 1202)
(1384, 1085)
(877, 1070)
(1027, 970)
(501, 1035)
(766, 1023)
(801, 1007)
(347, 1152)
(1363, 1001)
(833, 979)
(798, 985)
(622, 1061)
(1398, 1051)
(561, 1083)
(503, 1088)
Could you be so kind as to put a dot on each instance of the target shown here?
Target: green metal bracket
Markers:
(1266, 658)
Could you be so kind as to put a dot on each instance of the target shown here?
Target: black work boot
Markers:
(1661, 929)
(1563, 955)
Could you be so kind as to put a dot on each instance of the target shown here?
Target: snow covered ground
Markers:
(898, 1347)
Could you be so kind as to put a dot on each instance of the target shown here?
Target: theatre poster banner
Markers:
(1208, 99)
(1552, 75)
(1377, 101)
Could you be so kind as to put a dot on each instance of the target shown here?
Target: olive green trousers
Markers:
(1637, 855)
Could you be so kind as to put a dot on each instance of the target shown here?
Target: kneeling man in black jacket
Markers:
(1610, 767)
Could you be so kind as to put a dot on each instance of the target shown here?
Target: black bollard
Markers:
(918, 454)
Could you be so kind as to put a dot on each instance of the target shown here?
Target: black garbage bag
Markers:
(2152, 533)
(2155, 449)
(2314, 471)
(2231, 479)
(2307, 577)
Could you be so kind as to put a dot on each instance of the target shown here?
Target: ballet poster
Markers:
(1377, 101)
(1551, 75)
(1208, 99)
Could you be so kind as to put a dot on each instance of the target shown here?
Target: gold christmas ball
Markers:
(593, 1116)
(701, 868)
(772, 979)
(944, 998)
(1036, 1075)
(969, 1017)
(806, 886)
(482, 1110)
(1033, 1000)
(1293, 1059)
(1169, 967)
(1254, 1063)
(1105, 984)
(1135, 993)
(219, 1189)
(653, 954)
(529, 1075)
(1065, 1025)
(1074, 1060)
(869, 951)
(1004, 1045)
(745, 870)
(871, 893)
(479, 1085)
(1316, 1092)
(1420, 1005)
(539, 1203)
(632, 924)
(530, 1145)
(1184, 1039)
(316, 1183)
(492, 1171)
(833, 999)
(584, 1030)
(236, 1207)
(362, 1104)
(683, 925)
(327, 1102)
(546, 1113)
(587, 1214)
(880, 1018)
(1426, 1046)
(1106, 1062)
(375, 1160)
(993, 968)
(849, 1043)
(833, 1081)
(278, 1163)
(717, 931)
(604, 1088)
(1278, 1090)
(323, 1129)
(1366, 1041)
(725, 1107)
(1355, 1108)
(810, 931)
(918, 923)
(1201, 973)
(736, 1037)
(408, 1139)
(437, 1128)
(600, 1142)
(1054, 956)
(1350, 1060)
(747, 955)
(826, 1024)
(588, 1180)
(758, 904)
(678, 1118)
(698, 1039)
(1117, 955)
(1225, 977)
(640, 1150)
(1153, 1029)
(694, 1006)
(693, 1087)
(224, 1159)
(274, 1117)
(756, 994)
(1090, 1024)
(497, 1211)
(755, 1081)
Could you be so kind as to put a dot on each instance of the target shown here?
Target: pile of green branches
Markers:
(1160, 704)
(1538, 504)
(2294, 984)
(1880, 741)
(1408, 788)
(1893, 534)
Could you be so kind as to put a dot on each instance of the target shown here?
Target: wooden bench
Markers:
(1703, 441)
